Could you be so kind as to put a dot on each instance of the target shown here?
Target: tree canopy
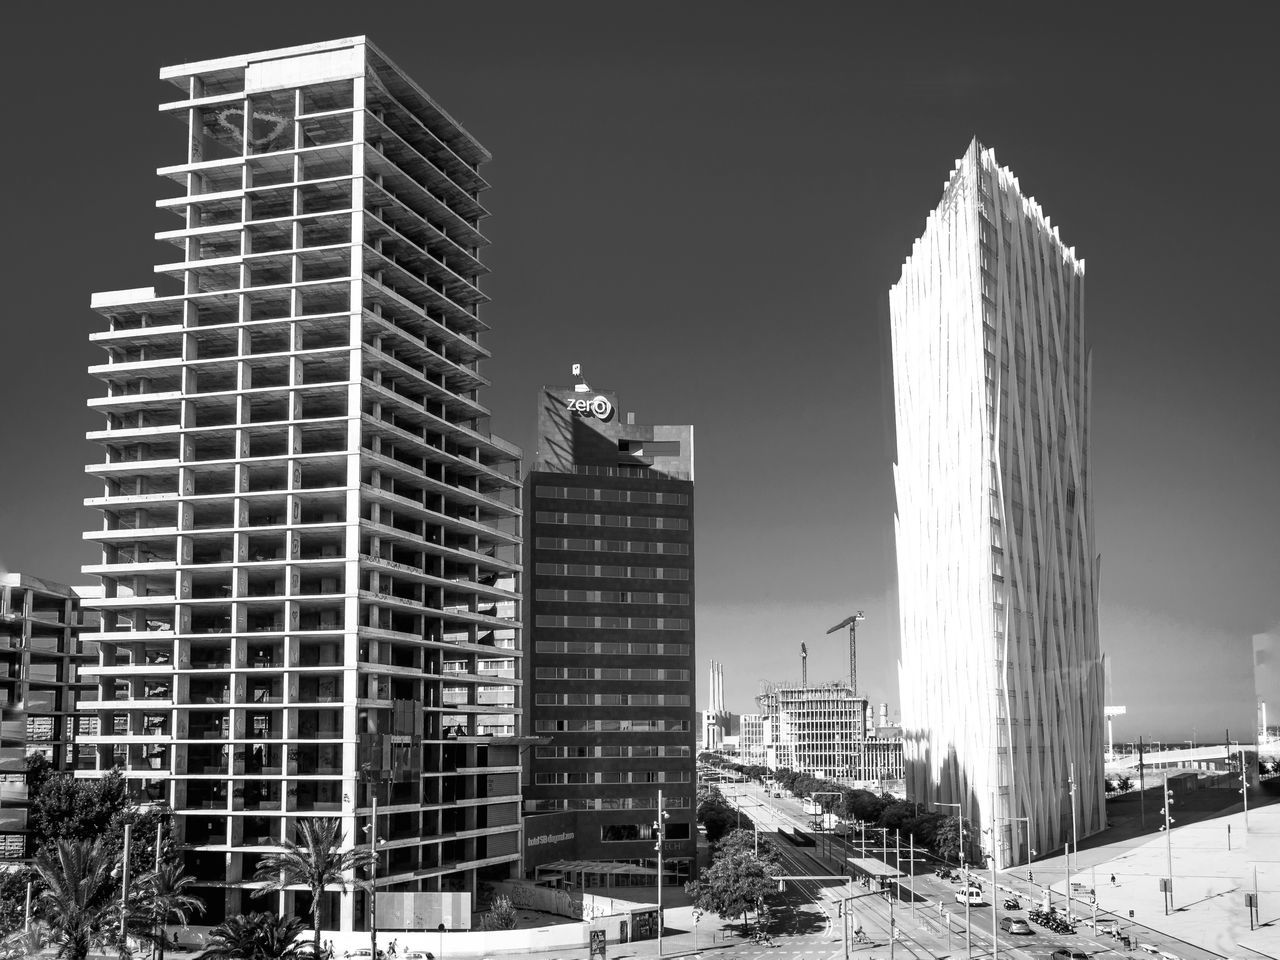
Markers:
(738, 881)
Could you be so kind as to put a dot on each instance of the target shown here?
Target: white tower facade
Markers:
(1001, 673)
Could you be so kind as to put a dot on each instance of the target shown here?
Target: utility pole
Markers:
(911, 877)
(996, 819)
(124, 882)
(1142, 787)
(373, 874)
(660, 830)
(964, 872)
(1244, 792)
(1168, 846)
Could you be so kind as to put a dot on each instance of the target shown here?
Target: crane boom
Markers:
(857, 752)
(852, 624)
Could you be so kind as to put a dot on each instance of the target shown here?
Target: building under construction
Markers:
(824, 730)
(821, 727)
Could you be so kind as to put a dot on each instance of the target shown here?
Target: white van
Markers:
(969, 895)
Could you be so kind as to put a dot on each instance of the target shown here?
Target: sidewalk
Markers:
(678, 941)
(1208, 888)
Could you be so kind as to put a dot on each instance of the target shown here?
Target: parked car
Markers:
(1015, 925)
(970, 895)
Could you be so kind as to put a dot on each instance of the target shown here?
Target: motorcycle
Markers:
(1012, 903)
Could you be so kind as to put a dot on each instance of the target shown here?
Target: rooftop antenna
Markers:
(804, 665)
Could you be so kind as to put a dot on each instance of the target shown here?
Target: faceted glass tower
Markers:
(1001, 674)
(310, 539)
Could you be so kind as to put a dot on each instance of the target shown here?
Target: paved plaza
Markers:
(1210, 880)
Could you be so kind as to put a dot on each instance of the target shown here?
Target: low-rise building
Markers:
(40, 656)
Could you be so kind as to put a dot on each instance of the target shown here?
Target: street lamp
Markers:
(822, 811)
(660, 831)
(995, 945)
(964, 870)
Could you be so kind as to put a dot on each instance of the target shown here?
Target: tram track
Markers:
(873, 912)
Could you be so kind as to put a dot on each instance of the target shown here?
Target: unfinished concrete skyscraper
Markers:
(310, 536)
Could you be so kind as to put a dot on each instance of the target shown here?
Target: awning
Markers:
(597, 866)
(875, 868)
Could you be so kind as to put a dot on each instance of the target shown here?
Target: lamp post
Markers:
(737, 805)
(964, 871)
(124, 881)
(995, 944)
(822, 813)
(1244, 791)
(1168, 846)
(660, 830)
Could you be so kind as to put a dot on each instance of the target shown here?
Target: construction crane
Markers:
(804, 665)
(852, 624)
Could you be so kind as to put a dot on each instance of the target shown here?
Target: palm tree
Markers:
(78, 902)
(164, 898)
(259, 936)
(315, 861)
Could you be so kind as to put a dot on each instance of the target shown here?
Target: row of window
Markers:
(612, 700)
(612, 496)
(609, 751)
(612, 726)
(613, 520)
(639, 649)
(610, 673)
(614, 596)
(610, 803)
(624, 832)
(611, 570)
(613, 623)
(584, 777)
(612, 546)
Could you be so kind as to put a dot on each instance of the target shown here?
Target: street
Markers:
(929, 921)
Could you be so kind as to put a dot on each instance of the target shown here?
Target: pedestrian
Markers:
(1113, 881)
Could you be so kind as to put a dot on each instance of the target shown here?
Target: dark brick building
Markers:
(609, 663)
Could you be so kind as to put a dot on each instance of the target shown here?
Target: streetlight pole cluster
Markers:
(659, 831)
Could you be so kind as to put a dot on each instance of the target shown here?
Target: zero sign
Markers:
(598, 406)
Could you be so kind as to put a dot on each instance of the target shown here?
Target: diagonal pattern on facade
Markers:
(310, 537)
(1001, 673)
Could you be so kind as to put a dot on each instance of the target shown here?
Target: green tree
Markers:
(946, 842)
(13, 899)
(315, 861)
(63, 808)
(258, 936)
(164, 897)
(737, 882)
(77, 905)
(714, 813)
(501, 915)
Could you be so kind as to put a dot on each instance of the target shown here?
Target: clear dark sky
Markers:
(705, 204)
